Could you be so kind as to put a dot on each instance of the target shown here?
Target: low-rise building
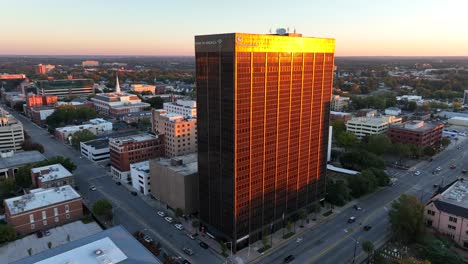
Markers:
(96, 150)
(174, 182)
(133, 149)
(393, 111)
(140, 174)
(51, 176)
(43, 209)
(113, 245)
(11, 132)
(364, 126)
(182, 107)
(90, 63)
(340, 116)
(136, 117)
(39, 114)
(447, 212)
(416, 132)
(180, 132)
(139, 88)
(369, 113)
(339, 103)
(96, 126)
(11, 161)
(43, 68)
(118, 104)
(424, 116)
(458, 121)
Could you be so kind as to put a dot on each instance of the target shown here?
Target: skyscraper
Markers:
(263, 109)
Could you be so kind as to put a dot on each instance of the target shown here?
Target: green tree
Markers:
(7, 233)
(265, 240)
(411, 260)
(338, 127)
(66, 162)
(23, 176)
(362, 183)
(360, 160)
(49, 244)
(289, 226)
(155, 102)
(337, 192)
(302, 215)
(179, 212)
(416, 151)
(378, 144)
(223, 248)
(29, 145)
(382, 178)
(7, 188)
(412, 106)
(347, 139)
(102, 208)
(403, 151)
(81, 136)
(429, 151)
(406, 218)
(438, 251)
(368, 247)
(445, 141)
(195, 224)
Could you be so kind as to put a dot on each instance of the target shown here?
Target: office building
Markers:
(11, 161)
(65, 88)
(110, 246)
(40, 100)
(340, 116)
(182, 107)
(263, 104)
(136, 117)
(43, 209)
(447, 212)
(43, 68)
(416, 132)
(140, 88)
(90, 63)
(175, 182)
(96, 150)
(140, 174)
(50, 176)
(393, 111)
(339, 103)
(96, 126)
(180, 132)
(369, 113)
(11, 132)
(133, 149)
(366, 126)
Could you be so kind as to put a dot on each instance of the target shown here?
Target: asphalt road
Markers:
(334, 241)
(129, 211)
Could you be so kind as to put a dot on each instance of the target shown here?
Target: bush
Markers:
(360, 160)
(7, 233)
(337, 193)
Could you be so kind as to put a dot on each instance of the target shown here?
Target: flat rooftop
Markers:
(133, 138)
(141, 166)
(415, 126)
(188, 166)
(40, 198)
(114, 245)
(51, 172)
(456, 194)
(101, 143)
(374, 120)
(21, 158)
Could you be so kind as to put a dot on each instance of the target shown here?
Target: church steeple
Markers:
(117, 85)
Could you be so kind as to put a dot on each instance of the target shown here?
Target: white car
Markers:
(417, 173)
(179, 226)
(169, 219)
(92, 187)
(147, 239)
(161, 213)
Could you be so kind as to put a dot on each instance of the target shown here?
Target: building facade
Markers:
(140, 174)
(65, 88)
(416, 132)
(96, 150)
(180, 132)
(133, 149)
(43, 68)
(339, 103)
(43, 209)
(175, 182)
(139, 88)
(363, 126)
(51, 176)
(465, 97)
(182, 107)
(340, 116)
(118, 104)
(96, 126)
(447, 212)
(10, 161)
(90, 63)
(263, 105)
(11, 132)
(393, 111)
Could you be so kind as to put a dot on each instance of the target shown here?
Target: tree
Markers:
(360, 160)
(102, 208)
(362, 183)
(411, 260)
(429, 151)
(337, 193)
(289, 226)
(7, 233)
(368, 247)
(66, 162)
(382, 178)
(223, 248)
(302, 215)
(7, 188)
(155, 102)
(445, 141)
(338, 127)
(29, 145)
(378, 144)
(347, 139)
(265, 240)
(81, 136)
(23, 176)
(407, 218)
(437, 251)
(179, 212)
(416, 151)
(195, 224)
(403, 151)
(412, 106)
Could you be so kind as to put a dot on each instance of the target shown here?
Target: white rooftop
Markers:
(40, 198)
(141, 166)
(102, 251)
(137, 138)
(456, 194)
(51, 172)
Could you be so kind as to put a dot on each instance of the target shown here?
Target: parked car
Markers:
(452, 166)
(169, 219)
(203, 245)
(352, 219)
(178, 226)
(134, 193)
(118, 183)
(417, 173)
(436, 185)
(92, 187)
(464, 171)
(47, 233)
(185, 261)
(188, 251)
(192, 236)
(438, 169)
(161, 214)
(367, 227)
(357, 207)
(288, 259)
(147, 239)
(39, 234)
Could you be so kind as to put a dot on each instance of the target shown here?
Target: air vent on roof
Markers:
(98, 252)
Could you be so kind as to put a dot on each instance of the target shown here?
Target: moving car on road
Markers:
(367, 227)
(147, 239)
(288, 259)
(357, 207)
(352, 219)
(453, 166)
(417, 173)
(203, 245)
(92, 187)
(188, 251)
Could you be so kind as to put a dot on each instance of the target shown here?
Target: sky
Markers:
(168, 27)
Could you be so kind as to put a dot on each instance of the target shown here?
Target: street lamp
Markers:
(356, 242)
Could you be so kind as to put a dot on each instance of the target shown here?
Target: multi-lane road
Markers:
(130, 211)
(334, 241)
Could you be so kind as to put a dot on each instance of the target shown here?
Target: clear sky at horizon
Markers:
(152, 27)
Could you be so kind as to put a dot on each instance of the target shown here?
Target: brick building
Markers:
(416, 132)
(51, 176)
(43, 209)
(340, 116)
(133, 149)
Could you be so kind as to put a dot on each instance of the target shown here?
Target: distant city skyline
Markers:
(154, 28)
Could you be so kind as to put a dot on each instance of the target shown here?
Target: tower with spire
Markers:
(117, 85)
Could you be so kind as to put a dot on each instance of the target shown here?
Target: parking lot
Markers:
(59, 235)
